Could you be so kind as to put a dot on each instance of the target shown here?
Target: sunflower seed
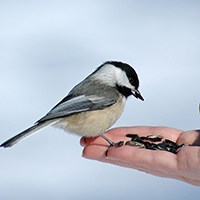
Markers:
(142, 142)
(153, 138)
(135, 144)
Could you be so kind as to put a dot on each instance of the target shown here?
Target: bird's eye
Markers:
(131, 80)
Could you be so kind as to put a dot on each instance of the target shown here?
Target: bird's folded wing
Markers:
(77, 104)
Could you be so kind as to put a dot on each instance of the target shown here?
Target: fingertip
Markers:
(94, 152)
(84, 141)
(86, 152)
(190, 138)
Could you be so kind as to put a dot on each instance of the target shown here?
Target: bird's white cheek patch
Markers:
(122, 80)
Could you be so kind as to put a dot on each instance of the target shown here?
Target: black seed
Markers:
(132, 136)
(153, 138)
(135, 137)
(166, 145)
(180, 145)
(151, 146)
(161, 146)
(171, 143)
(172, 150)
(135, 144)
(119, 144)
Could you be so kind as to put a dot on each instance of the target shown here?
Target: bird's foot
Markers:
(113, 144)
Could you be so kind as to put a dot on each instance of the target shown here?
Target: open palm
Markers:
(185, 165)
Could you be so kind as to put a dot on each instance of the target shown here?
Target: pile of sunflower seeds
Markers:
(148, 142)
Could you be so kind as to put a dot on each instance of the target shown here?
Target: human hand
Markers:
(185, 165)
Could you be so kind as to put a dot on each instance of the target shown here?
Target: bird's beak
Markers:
(137, 95)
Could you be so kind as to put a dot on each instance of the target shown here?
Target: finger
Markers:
(117, 131)
(83, 141)
(189, 160)
(143, 158)
(119, 134)
(155, 162)
(166, 132)
(100, 141)
(114, 134)
(190, 138)
(96, 152)
(86, 141)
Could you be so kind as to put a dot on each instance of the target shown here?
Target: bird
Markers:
(92, 106)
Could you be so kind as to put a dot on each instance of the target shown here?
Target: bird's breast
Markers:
(93, 123)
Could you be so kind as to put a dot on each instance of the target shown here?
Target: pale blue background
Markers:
(46, 47)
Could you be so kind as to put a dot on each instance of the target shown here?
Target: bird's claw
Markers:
(113, 144)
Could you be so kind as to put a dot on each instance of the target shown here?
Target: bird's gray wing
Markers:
(66, 107)
(77, 104)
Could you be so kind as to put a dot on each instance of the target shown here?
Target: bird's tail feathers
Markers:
(36, 127)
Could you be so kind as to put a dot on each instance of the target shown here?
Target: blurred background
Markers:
(46, 47)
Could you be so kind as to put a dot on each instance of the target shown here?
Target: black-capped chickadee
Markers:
(93, 105)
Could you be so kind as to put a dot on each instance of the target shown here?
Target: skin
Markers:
(184, 166)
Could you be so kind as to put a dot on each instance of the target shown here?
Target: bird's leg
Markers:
(116, 144)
